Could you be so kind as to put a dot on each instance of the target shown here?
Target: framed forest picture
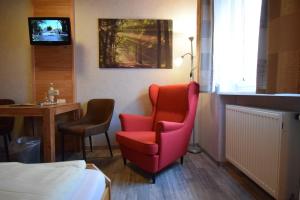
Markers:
(135, 43)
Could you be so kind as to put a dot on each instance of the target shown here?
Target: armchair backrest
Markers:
(173, 102)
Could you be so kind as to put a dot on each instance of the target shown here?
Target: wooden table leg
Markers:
(76, 140)
(76, 114)
(48, 136)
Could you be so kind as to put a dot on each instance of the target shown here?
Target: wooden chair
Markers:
(6, 126)
(96, 121)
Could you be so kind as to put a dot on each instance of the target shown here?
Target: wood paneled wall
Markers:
(283, 65)
(54, 63)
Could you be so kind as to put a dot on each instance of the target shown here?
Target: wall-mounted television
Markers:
(49, 30)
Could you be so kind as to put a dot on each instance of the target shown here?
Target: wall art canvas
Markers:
(135, 43)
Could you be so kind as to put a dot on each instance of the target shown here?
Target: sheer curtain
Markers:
(235, 46)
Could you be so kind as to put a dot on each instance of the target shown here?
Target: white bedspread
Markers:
(40, 181)
(91, 187)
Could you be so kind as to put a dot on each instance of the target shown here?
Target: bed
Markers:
(106, 195)
(62, 180)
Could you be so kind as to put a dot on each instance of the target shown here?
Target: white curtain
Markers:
(235, 46)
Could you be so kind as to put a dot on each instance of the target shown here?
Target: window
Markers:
(236, 32)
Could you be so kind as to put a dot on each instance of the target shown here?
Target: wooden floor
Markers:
(198, 178)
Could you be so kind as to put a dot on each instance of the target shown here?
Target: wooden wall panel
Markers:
(283, 66)
(52, 8)
(54, 64)
(63, 81)
(60, 57)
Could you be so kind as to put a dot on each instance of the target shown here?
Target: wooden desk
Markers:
(48, 116)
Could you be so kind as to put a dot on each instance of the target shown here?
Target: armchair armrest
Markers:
(165, 126)
(136, 122)
(172, 140)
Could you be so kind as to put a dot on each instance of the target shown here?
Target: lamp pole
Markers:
(192, 59)
(193, 148)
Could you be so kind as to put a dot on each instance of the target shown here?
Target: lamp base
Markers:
(194, 148)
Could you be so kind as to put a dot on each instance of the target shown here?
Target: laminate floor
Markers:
(198, 178)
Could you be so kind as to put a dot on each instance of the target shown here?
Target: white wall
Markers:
(15, 55)
(127, 86)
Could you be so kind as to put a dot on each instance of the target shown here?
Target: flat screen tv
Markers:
(49, 30)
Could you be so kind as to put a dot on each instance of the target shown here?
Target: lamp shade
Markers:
(178, 62)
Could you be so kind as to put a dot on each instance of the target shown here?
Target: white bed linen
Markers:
(40, 181)
(91, 187)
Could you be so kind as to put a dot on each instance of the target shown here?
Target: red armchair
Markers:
(153, 142)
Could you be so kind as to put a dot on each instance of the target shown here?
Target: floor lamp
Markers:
(194, 147)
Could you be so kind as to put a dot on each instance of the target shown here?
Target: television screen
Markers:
(49, 30)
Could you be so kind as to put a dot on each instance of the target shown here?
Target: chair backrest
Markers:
(100, 110)
(6, 123)
(173, 102)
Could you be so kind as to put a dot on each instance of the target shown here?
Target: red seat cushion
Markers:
(141, 141)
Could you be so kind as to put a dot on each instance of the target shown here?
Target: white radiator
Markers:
(265, 145)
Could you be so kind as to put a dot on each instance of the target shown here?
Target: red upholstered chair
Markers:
(153, 142)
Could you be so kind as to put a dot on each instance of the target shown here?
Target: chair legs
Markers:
(5, 139)
(91, 146)
(9, 137)
(62, 147)
(153, 178)
(83, 148)
(107, 138)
